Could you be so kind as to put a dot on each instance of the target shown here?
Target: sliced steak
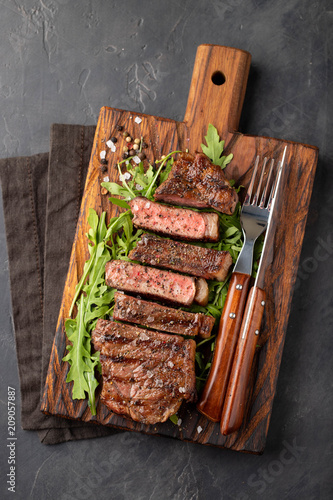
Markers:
(177, 222)
(202, 292)
(204, 262)
(158, 317)
(195, 182)
(155, 283)
(146, 374)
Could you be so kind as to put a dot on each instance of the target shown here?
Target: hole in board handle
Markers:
(218, 78)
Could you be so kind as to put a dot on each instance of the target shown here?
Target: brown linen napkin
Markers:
(41, 201)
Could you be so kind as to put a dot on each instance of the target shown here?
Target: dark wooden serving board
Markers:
(219, 104)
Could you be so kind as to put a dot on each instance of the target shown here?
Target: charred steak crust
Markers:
(196, 182)
(154, 283)
(146, 374)
(198, 261)
(158, 317)
(180, 223)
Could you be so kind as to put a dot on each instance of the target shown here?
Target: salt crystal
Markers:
(102, 154)
(111, 145)
(170, 364)
(179, 422)
(136, 159)
(106, 179)
(137, 120)
(182, 389)
(138, 187)
(147, 204)
(199, 429)
(127, 176)
(143, 336)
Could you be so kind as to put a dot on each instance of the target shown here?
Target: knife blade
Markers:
(235, 400)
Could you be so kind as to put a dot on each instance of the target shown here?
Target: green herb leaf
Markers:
(118, 202)
(174, 419)
(140, 181)
(214, 148)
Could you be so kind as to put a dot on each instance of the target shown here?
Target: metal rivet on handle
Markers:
(239, 287)
(263, 303)
(257, 332)
(232, 315)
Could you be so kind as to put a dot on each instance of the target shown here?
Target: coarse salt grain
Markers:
(137, 120)
(138, 187)
(179, 422)
(111, 145)
(182, 389)
(199, 429)
(127, 176)
(102, 154)
(136, 159)
(106, 179)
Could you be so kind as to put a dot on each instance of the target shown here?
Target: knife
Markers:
(235, 400)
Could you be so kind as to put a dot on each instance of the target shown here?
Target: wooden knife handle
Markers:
(234, 404)
(212, 397)
(217, 91)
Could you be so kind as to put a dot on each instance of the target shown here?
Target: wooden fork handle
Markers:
(235, 400)
(212, 397)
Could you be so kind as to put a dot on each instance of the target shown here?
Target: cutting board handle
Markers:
(217, 91)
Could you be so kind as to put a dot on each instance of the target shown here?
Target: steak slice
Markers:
(176, 222)
(146, 374)
(155, 283)
(195, 182)
(202, 292)
(158, 317)
(198, 261)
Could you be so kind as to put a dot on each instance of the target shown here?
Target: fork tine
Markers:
(256, 196)
(272, 193)
(253, 178)
(264, 194)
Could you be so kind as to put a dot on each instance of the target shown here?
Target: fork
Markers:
(254, 219)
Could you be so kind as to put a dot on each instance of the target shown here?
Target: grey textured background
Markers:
(60, 61)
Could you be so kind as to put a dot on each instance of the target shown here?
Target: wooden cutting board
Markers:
(216, 96)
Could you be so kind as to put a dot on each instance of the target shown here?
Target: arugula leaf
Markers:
(214, 148)
(94, 299)
(137, 181)
(77, 354)
(119, 203)
(174, 418)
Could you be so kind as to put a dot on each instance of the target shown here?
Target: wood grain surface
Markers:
(210, 101)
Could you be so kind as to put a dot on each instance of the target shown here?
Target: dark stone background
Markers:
(60, 61)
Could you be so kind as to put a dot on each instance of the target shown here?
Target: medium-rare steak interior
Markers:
(155, 283)
(180, 223)
(158, 317)
(146, 374)
(195, 182)
(198, 261)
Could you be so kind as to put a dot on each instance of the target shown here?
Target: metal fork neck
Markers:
(245, 258)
